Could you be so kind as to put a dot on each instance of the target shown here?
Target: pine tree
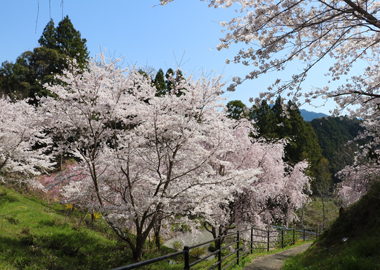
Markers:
(70, 42)
(283, 127)
(304, 144)
(32, 69)
(265, 121)
(159, 83)
(49, 36)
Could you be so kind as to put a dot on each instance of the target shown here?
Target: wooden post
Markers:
(282, 238)
(187, 258)
(251, 240)
(294, 236)
(220, 253)
(238, 246)
(304, 234)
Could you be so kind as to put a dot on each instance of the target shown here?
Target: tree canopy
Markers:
(65, 39)
(32, 69)
(285, 121)
(274, 33)
(145, 160)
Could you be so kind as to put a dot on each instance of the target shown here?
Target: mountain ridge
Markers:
(310, 115)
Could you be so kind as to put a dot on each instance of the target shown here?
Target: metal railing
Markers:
(266, 240)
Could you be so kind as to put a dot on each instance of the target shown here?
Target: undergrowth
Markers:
(351, 242)
(36, 233)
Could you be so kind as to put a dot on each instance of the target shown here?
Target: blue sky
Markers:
(184, 32)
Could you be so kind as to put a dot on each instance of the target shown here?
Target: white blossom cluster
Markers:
(148, 160)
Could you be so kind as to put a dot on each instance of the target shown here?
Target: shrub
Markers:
(178, 245)
(198, 252)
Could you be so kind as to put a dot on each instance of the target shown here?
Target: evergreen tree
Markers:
(70, 41)
(236, 109)
(159, 83)
(283, 128)
(275, 123)
(32, 69)
(265, 121)
(48, 38)
(169, 83)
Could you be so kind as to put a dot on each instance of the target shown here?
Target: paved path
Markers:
(275, 261)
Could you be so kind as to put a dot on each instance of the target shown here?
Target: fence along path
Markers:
(273, 237)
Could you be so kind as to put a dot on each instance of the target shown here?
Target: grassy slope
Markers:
(313, 213)
(351, 242)
(35, 235)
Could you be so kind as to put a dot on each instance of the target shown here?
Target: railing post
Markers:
(187, 258)
(238, 246)
(220, 253)
(282, 238)
(268, 241)
(251, 240)
(304, 234)
(294, 236)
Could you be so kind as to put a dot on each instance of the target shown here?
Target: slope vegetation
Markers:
(351, 242)
(35, 234)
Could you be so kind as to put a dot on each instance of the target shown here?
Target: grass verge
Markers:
(351, 242)
(39, 235)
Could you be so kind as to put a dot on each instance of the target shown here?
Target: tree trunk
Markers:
(323, 212)
(157, 229)
(302, 216)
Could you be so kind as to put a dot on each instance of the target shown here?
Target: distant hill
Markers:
(308, 115)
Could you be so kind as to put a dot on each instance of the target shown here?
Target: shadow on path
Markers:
(275, 261)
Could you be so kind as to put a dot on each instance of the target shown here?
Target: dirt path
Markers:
(275, 261)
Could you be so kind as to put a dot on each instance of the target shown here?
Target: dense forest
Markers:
(334, 135)
(324, 141)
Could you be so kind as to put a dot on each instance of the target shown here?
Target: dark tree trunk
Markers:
(157, 229)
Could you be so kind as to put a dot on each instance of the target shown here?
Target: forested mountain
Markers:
(333, 134)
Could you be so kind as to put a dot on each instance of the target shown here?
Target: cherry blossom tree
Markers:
(144, 158)
(358, 177)
(278, 191)
(148, 159)
(23, 143)
(274, 33)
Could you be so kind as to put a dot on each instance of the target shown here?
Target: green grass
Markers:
(38, 235)
(351, 242)
(35, 234)
(313, 213)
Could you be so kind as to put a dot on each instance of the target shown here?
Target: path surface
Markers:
(275, 261)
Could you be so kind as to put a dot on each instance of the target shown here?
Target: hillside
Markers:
(351, 242)
(36, 234)
(333, 134)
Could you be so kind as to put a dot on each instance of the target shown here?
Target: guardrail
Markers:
(273, 237)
